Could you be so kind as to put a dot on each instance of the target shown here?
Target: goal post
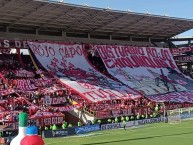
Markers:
(174, 116)
(186, 113)
(178, 115)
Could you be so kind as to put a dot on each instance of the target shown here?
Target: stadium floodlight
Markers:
(108, 8)
(166, 15)
(86, 5)
(148, 13)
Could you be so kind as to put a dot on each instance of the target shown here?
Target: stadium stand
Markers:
(66, 69)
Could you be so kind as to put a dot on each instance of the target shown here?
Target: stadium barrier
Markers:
(87, 128)
(133, 123)
(97, 127)
(70, 131)
(111, 126)
(150, 121)
(58, 133)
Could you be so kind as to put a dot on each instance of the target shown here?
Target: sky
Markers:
(172, 8)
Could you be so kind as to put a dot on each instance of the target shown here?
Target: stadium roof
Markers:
(17, 15)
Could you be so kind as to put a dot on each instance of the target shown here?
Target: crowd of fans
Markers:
(18, 99)
(14, 99)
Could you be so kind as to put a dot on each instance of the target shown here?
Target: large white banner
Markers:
(151, 71)
(70, 65)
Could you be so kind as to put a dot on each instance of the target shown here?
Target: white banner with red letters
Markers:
(54, 101)
(42, 81)
(24, 73)
(67, 108)
(149, 70)
(107, 106)
(52, 89)
(45, 114)
(25, 85)
(70, 65)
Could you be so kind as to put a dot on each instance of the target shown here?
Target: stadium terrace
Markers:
(77, 69)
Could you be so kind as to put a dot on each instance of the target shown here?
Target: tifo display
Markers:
(115, 86)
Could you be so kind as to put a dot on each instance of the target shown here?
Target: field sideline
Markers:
(154, 134)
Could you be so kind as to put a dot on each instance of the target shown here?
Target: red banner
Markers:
(142, 111)
(6, 115)
(186, 105)
(103, 114)
(183, 58)
(178, 51)
(176, 106)
(173, 106)
(180, 97)
(121, 112)
(124, 112)
(39, 122)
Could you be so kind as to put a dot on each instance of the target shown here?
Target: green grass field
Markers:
(154, 134)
